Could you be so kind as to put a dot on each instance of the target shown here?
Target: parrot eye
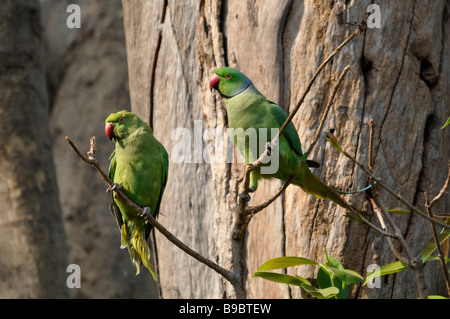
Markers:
(228, 77)
(121, 120)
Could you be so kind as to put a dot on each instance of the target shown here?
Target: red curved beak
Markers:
(109, 130)
(214, 82)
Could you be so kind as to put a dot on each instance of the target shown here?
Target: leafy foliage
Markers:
(446, 123)
(333, 279)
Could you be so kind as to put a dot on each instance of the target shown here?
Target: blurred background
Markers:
(85, 71)
(56, 81)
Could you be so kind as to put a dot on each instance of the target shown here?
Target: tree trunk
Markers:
(87, 69)
(33, 258)
(399, 77)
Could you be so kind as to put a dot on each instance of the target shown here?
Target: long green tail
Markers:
(137, 248)
(311, 184)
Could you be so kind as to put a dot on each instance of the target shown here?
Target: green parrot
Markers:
(248, 108)
(138, 166)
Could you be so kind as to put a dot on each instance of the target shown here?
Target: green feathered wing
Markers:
(140, 165)
(250, 109)
(309, 182)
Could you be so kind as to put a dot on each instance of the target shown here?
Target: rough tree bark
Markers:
(33, 248)
(399, 77)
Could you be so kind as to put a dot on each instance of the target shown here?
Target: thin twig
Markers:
(258, 162)
(251, 211)
(242, 219)
(256, 209)
(327, 109)
(383, 214)
(377, 211)
(371, 136)
(443, 190)
(411, 261)
(316, 74)
(252, 166)
(438, 246)
(390, 191)
(361, 218)
(428, 206)
(396, 230)
(120, 195)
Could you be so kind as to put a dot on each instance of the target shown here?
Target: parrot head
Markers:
(121, 124)
(229, 82)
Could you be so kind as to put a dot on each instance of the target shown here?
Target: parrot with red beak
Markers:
(139, 166)
(248, 108)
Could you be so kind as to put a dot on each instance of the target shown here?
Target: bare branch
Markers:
(437, 242)
(372, 133)
(412, 262)
(377, 211)
(316, 74)
(256, 209)
(390, 191)
(327, 109)
(258, 162)
(119, 194)
(92, 149)
(361, 218)
(245, 214)
(443, 190)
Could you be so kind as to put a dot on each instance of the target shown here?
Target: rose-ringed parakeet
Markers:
(248, 108)
(139, 166)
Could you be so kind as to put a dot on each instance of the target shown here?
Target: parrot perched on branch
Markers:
(248, 108)
(139, 167)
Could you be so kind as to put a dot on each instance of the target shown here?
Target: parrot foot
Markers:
(115, 187)
(146, 213)
(244, 197)
(271, 148)
(251, 189)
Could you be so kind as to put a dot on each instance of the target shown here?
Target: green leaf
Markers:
(333, 274)
(285, 262)
(358, 219)
(430, 245)
(281, 278)
(347, 276)
(321, 293)
(386, 270)
(434, 258)
(446, 123)
(324, 278)
(332, 139)
(398, 210)
(332, 262)
(436, 297)
(324, 281)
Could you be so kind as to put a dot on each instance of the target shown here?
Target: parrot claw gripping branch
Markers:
(237, 275)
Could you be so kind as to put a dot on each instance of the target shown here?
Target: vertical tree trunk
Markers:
(33, 248)
(87, 69)
(399, 78)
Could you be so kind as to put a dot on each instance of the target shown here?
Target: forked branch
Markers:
(90, 159)
(243, 210)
